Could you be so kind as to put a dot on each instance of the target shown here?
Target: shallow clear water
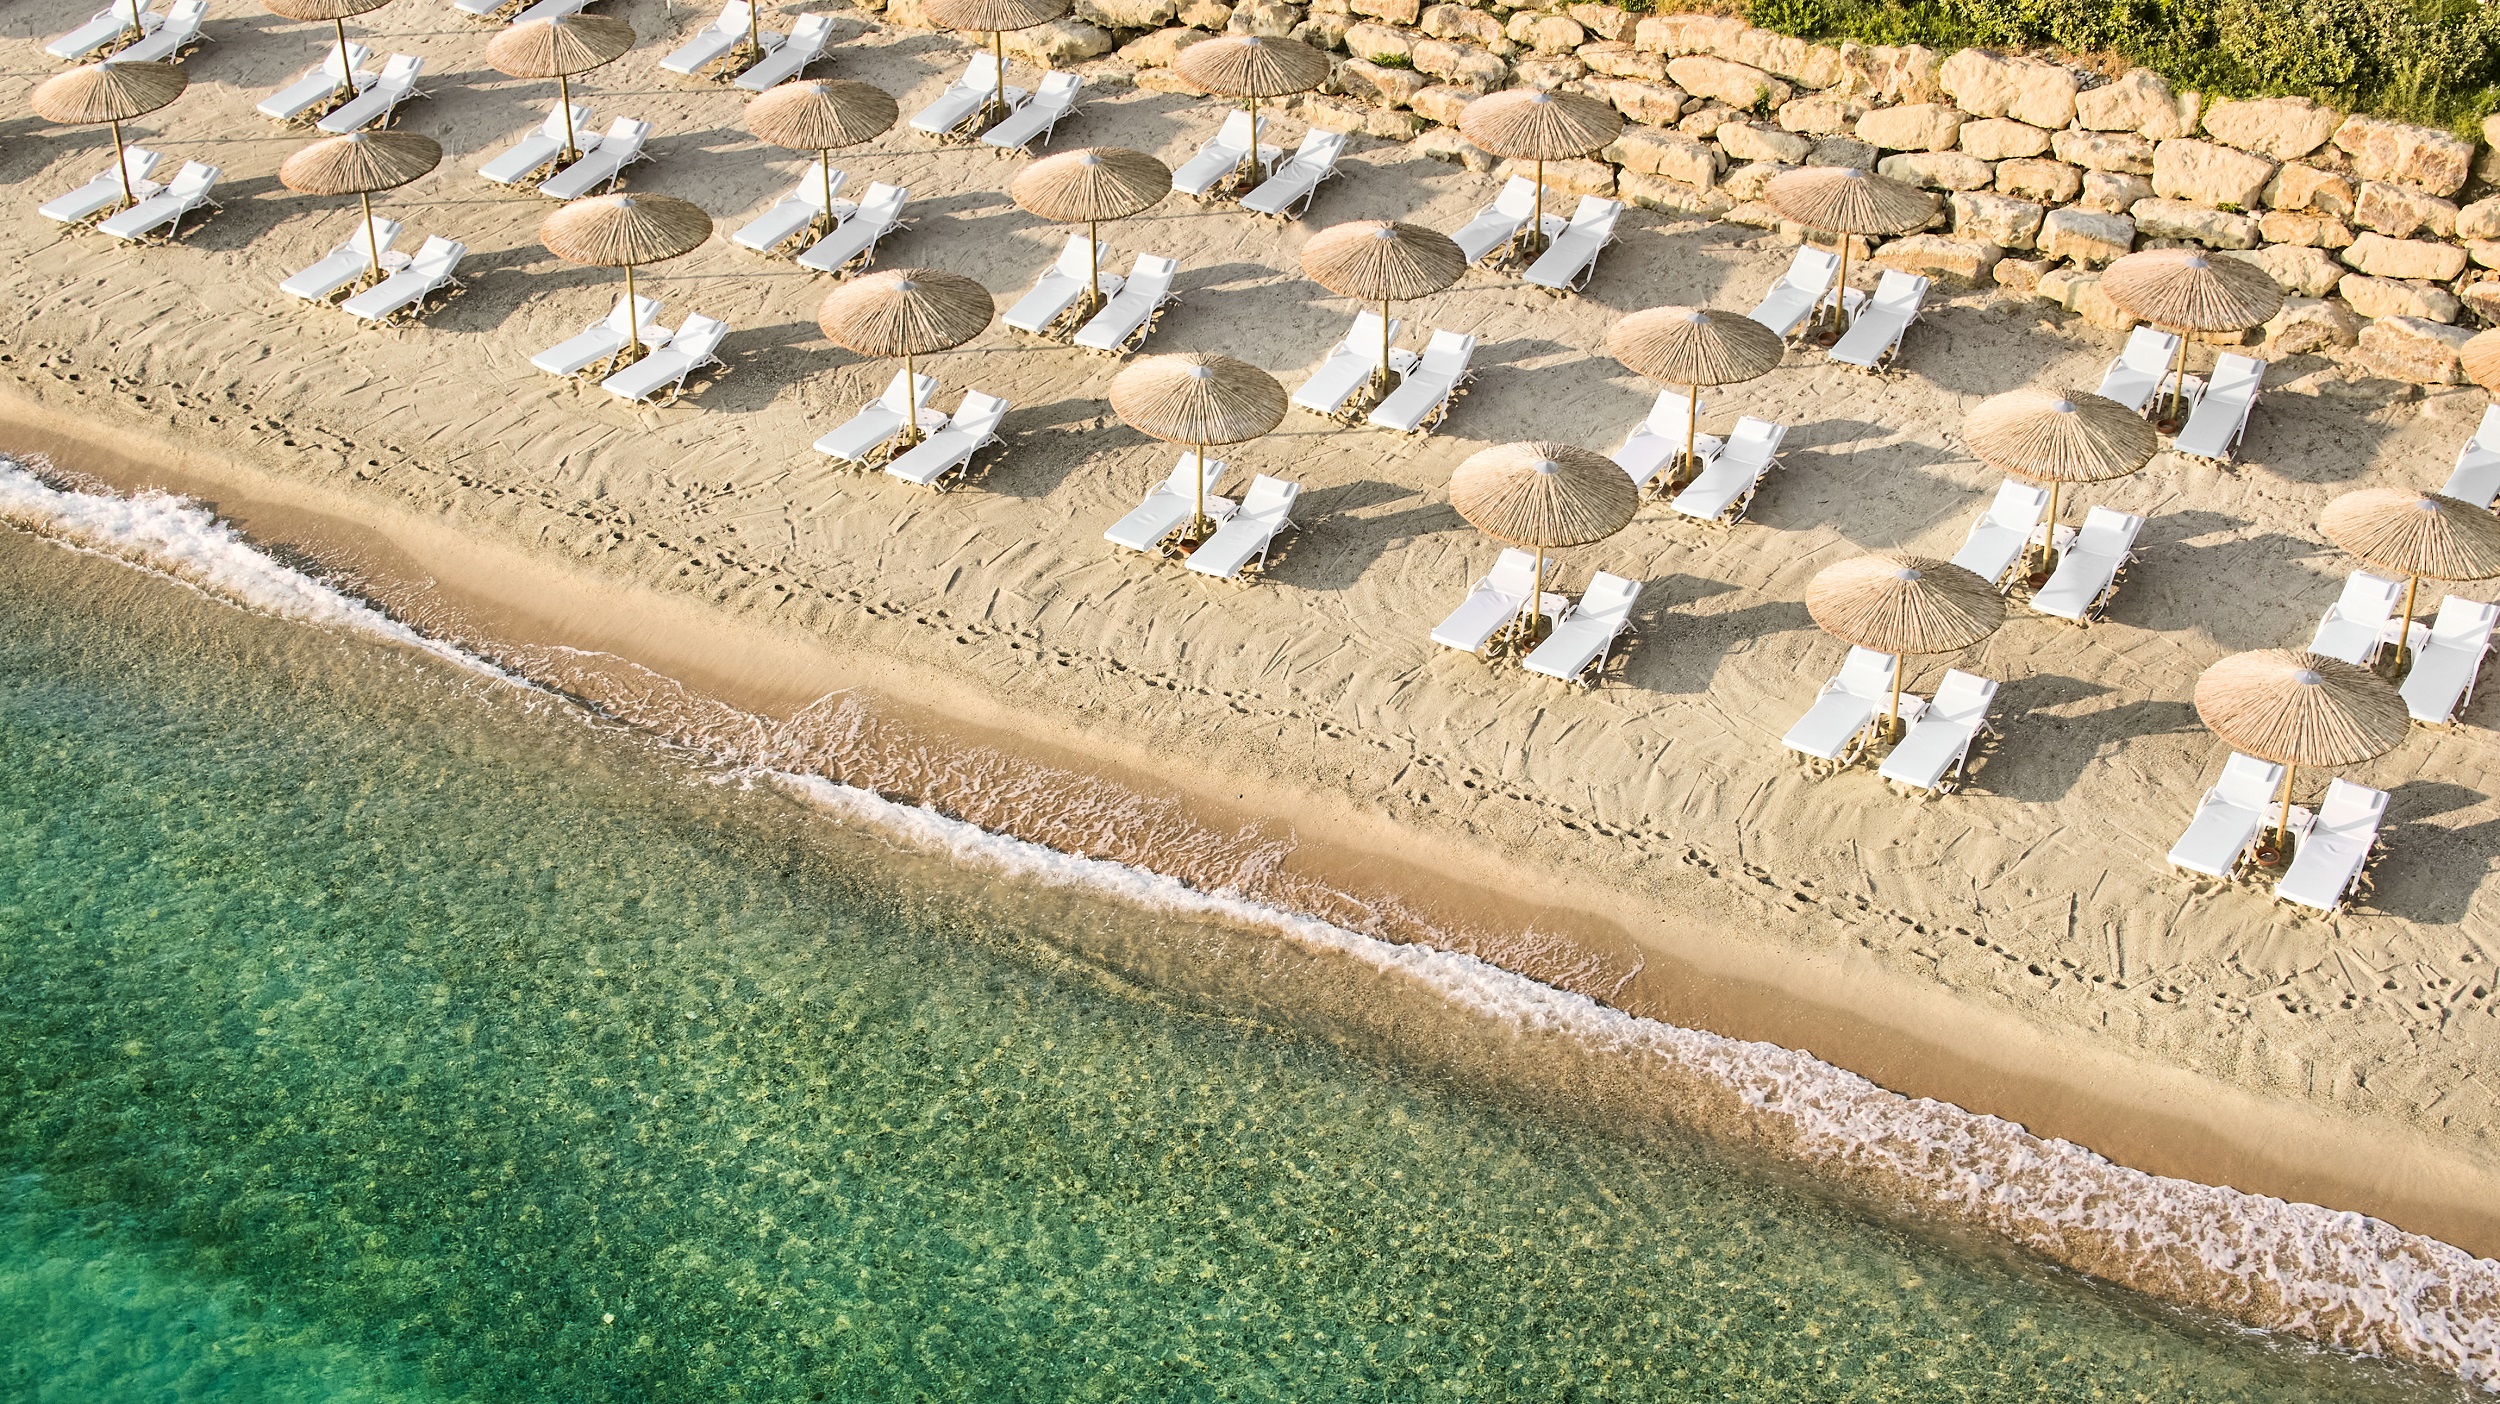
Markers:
(372, 1032)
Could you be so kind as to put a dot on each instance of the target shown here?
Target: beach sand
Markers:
(2020, 948)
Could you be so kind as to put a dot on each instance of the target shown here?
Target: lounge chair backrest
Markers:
(1190, 461)
(2248, 782)
(194, 179)
(1057, 87)
(978, 414)
(438, 255)
(733, 17)
(2463, 622)
(1670, 414)
(2487, 433)
(1364, 336)
(1448, 353)
(628, 132)
(1812, 269)
(2107, 530)
(698, 336)
(1075, 258)
(342, 66)
(883, 203)
(1607, 594)
(811, 188)
(138, 161)
(1754, 436)
(2235, 375)
(401, 70)
(1897, 291)
(554, 127)
(1320, 148)
(1235, 132)
(2149, 350)
(2018, 505)
(1268, 494)
(2368, 598)
(1518, 198)
(1513, 571)
(2347, 803)
(982, 74)
(1596, 215)
(1963, 697)
(624, 318)
(1866, 673)
(895, 391)
(1151, 276)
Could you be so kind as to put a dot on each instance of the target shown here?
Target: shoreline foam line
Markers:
(2333, 1277)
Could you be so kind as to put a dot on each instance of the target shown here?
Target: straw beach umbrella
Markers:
(1543, 496)
(335, 13)
(560, 48)
(2189, 290)
(820, 114)
(994, 18)
(2481, 359)
(1253, 67)
(1693, 347)
(1531, 124)
(2297, 708)
(1901, 604)
(359, 164)
(905, 312)
(2058, 437)
(1200, 400)
(2414, 534)
(1088, 186)
(111, 93)
(1377, 261)
(1842, 201)
(623, 231)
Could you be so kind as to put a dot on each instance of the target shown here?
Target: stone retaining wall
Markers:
(2385, 235)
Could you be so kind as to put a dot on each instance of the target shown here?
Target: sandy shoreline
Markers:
(2018, 949)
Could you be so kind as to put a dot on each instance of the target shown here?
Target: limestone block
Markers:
(2394, 297)
(1755, 141)
(1744, 183)
(1380, 41)
(1823, 114)
(2396, 212)
(1548, 71)
(1939, 170)
(1442, 103)
(1753, 213)
(2086, 238)
(2423, 158)
(1925, 126)
(1989, 85)
(2482, 298)
(2177, 219)
(1653, 192)
(1365, 81)
(2309, 324)
(1843, 151)
(2021, 274)
(1405, 12)
(2086, 298)
(1616, 59)
(1657, 104)
(2480, 220)
(1885, 74)
(2299, 186)
(1268, 19)
(1474, 26)
(2382, 257)
(2484, 252)
(1568, 177)
(1164, 80)
(1808, 65)
(2304, 271)
(1128, 14)
(1703, 123)
(1209, 15)
(2112, 193)
(2138, 101)
(1059, 43)
(2284, 128)
(1938, 256)
(2487, 163)
(1996, 219)
(1604, 21)
(1322, 31)
(2002, 139)
(2411, 349)
(1445, 144)
(2317, 231)
(1736, 84)
(1459, 64)
(1157, 50)
(2207, 173)
(2123, 152)
(1670, 154)
(1686, 34)
(2033, 178)
(1547, 34)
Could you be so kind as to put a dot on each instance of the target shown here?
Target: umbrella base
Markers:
(2273, 854)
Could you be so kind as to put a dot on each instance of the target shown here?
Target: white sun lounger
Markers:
(551, 9)
(1124, 322)
(964, 98)
(2361, 620)
(792, 214)
(1266, 509)
(859, 438)
(1874, 335)
(180, 31)
(351, 260)
(1807, 284)
(2477, 475)
(1288, 190)
(1040, 114)
(376, 103)
(1497, 598)
(1588, 636)
(2228, 817)
(1497, 224)
(1167, 508)
(854, 240)
(320, 81)
(2136, 373)
(601, 165)
(1835, 727)
(530, 155)
(2449, 659)
(695, 346)
(410, 286)
(2087, 570)
(1222, 155)
(726, 31)
(2214, 427)
(973, 428)
(1658, 440)
(2336, 848)
(1422, 399)
(1997, 539)
(187, 191)
(105, 191)
(1350, 363)
(604, 338)
(1572, 258)
(482, 9)
(808, 36)
(106, 26)
(1724, 492)
(1058, 289)
(1936, 751)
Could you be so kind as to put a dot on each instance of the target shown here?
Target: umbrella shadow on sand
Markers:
(1683, 652)
(1339, 549)
(2037, 757)
(2419, 877)
(1041, 450)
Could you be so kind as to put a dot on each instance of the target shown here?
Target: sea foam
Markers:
(2337, 1278)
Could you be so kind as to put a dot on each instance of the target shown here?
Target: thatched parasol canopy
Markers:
(559, 47)
(2058, 436)
(1378, 261)
(1904, 604)
(2415, 533)
(321, 11)
(905, 312)
(2481, 359)
(993, 16)
(1196, 398)
(1251, 66)
(2192, 290)
(819, 114)
(107, 92)
(1693, 346)
(1092, 184)
(1543, 495)
(1846, 200)
(619, 231)
(2294, 707)
(359, 163)
(1531, 124)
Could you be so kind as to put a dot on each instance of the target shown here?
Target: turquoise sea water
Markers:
(372, 1032)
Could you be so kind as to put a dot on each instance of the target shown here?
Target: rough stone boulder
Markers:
(2177, 219)
(1822, 114)
(1442, 103)
(1884, 73)
(1568, 177)
(2205, 173)
(1384, 87)
(1736, 84)
(2124, 152)
(1619, 60)
(1459, 64)
(1965, 260)
(1657, 104)
(1268, 19)
(2480, 220)
(1604, 21)
(2139, 101)
(2285, 128)
(2424, 158)
(1843, 151)
(2394, 297)
(1670, 154)
(1345, 115)
(1388, 11)
(2382, 257)
(1744, 183)
(1753, 141)
(1548, 71)
(2297, 186)
(1380, 41)
(2396, 212)
(2049, 182)
(1925, 126)
(2317, 231)
(1059, 43)
(1157, 50)
(1547, 34)
(2304, 272)
(1445, 144)
(2085, 237)
(2113, 193)
(1128, 14)
(1652, 192)
(1996, 219)
(1687, 33)
(1806, 64)
(2002, 139)
(1474, 26)
(2027, 90)
(1938, 170)
(2309, 324)
(2411, 349)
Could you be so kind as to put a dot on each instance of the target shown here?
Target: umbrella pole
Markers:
(346, 77)
(2404, 634)
(1198, 484)
(1380, 376)
(1093, 265)
(911, 404)
(824, 172)
(1536, 221)
(2048, 540)
(1535, 607)
(2178, 377)
(755, 40)
(1692, 424)
(373, 241)
(1892, 717)
(998, 56)
(633, 320)
(122, 165)
(564, 100)
(1840, 290)
(2283, 827)
(1251, 160)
